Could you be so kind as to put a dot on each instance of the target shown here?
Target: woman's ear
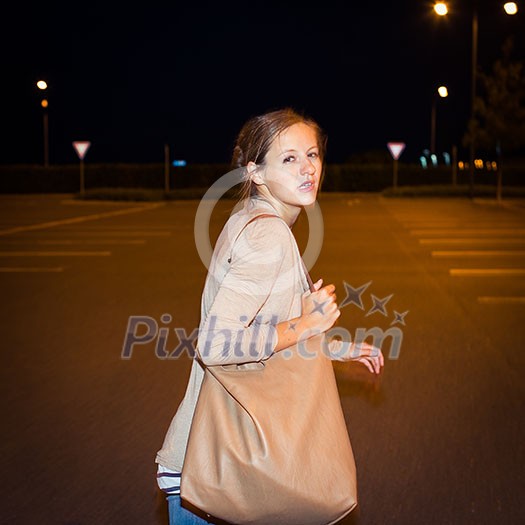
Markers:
(254, 173)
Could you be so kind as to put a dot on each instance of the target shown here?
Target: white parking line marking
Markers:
(486, 272)
(484, 240)
(127, 227)
(481, 231)
(54, 254)
(501, 300)
(6, 269)
(109, 233)
(459, 223)
(70, 242)
(83, 218)
(94, 241)
(478, 253)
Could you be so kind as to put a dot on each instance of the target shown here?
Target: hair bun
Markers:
(238, 157)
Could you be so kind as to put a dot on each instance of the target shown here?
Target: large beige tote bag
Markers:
(269, 443)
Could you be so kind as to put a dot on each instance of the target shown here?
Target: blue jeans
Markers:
(181, 516)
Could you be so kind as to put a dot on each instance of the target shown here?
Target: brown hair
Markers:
(257, 135)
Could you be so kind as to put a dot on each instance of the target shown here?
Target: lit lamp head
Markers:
(42, 85)
(443, 91)
(511, 8)
(441, 8)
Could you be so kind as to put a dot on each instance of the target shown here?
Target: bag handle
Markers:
(308, 278)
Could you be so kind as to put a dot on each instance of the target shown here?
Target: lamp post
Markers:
(474, 62)
(441, 9)
(443, 93)
(42, 85)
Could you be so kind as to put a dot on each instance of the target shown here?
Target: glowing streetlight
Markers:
(443, 93)
(42, 85)
(511, 8)
(441, 8)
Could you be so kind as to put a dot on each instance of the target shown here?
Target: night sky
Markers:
(131, 79)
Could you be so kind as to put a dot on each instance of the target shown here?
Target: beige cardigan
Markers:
(255, 281)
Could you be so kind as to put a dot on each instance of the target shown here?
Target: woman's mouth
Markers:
(306, 186)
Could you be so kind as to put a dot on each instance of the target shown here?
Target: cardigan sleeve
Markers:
(234, 331)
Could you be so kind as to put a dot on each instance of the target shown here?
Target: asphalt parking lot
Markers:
(438, 438)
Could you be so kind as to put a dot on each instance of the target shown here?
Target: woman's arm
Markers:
(319, 313)
(234, 331)
(370, 355)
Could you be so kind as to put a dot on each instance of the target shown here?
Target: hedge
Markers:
(337, 177)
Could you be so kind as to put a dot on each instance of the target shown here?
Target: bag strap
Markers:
(308, 278)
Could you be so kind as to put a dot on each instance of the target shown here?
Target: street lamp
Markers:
(42, 85)
(511, 8)
(443, 93)
(441, 9)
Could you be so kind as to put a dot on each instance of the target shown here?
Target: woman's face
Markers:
(293, 167)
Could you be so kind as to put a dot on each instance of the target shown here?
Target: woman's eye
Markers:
(313, 155)
(286, 160)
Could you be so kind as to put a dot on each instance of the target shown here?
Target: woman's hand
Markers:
(319, 308)
(365, 353)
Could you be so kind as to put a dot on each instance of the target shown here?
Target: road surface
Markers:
(438, 438)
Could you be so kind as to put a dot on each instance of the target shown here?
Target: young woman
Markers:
(255, 286)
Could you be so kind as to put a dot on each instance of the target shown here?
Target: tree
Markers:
(499, 121)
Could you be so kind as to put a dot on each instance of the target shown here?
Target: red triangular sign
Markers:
(81, 147)
(396, 148)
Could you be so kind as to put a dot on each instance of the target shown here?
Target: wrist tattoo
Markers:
(291, 326)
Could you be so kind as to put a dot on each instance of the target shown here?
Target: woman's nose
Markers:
(307, 167)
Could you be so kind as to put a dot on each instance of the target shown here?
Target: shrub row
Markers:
(337, 177)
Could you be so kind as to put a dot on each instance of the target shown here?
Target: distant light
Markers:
(179, 163)
(511, 8)
(494, 165)
(488, 165)
(446, 156)
(434, 159)
(44, 103)
(41, 84)
(441, 8)
(443, 91)
(423, 161)
(478, 163)
(461, 165)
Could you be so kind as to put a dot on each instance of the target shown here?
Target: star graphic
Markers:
(353, 295)
(399, 318)
(318, 307)
(379, 304)
(291, 326)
